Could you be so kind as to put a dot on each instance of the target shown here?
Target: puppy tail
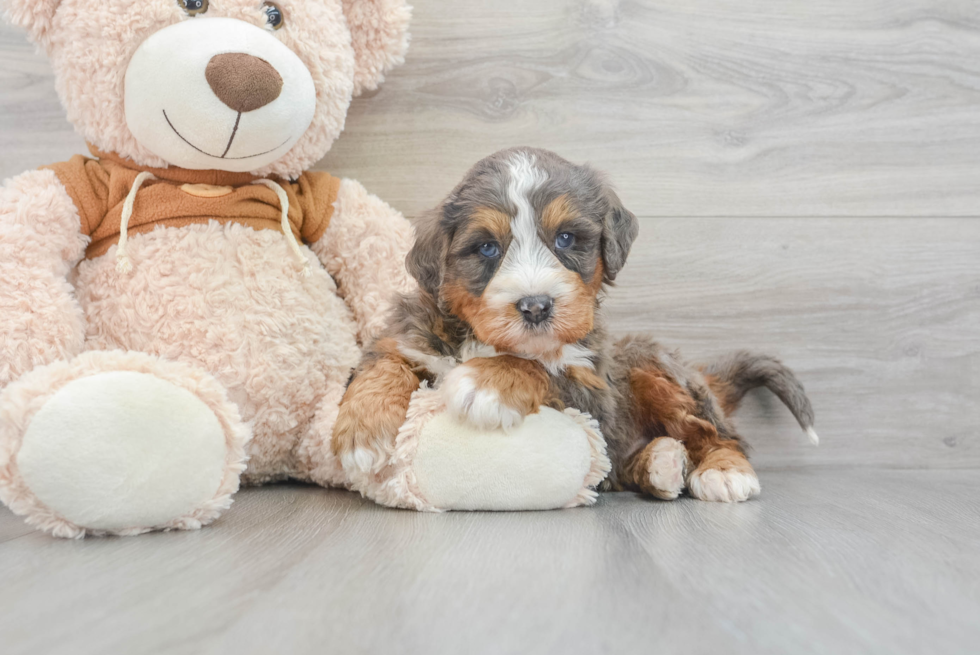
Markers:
(732, 376)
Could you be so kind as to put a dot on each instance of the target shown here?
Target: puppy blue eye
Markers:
(490, 250)
(564, 240)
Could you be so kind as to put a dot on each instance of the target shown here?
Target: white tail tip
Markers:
(812, 434)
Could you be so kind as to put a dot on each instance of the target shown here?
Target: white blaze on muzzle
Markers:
(174, 109)
(529, 268)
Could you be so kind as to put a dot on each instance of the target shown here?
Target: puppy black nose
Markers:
(535, 309)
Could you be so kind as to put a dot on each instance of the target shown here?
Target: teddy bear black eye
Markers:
(273, 15)
(194, 7)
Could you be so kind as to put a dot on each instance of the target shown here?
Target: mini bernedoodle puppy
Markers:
(511, 269)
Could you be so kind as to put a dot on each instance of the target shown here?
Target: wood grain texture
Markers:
(33, 127)
(706, 107)
(878, 317)
(860, 107)
(823, 562)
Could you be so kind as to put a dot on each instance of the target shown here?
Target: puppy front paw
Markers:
(479, 406)
(363, 450)
(370, 414)
(495, 392)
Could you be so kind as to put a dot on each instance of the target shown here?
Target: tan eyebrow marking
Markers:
(492, 220)
(558, 212)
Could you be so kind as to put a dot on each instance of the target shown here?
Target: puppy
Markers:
(511, 269)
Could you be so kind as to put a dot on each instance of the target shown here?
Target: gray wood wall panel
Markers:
(879, 318)
(704, 107)
(764, 147)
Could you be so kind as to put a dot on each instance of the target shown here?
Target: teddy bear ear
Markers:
(379, 34)
(35, 16)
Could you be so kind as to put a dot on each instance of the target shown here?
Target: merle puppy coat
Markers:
(511, 269)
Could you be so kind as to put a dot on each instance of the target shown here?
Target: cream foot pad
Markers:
(553, 460)
(118, 443)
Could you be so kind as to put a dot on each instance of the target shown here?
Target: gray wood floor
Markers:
(807, 176)
(844, 561)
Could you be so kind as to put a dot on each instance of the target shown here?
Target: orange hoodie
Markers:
(180, 197)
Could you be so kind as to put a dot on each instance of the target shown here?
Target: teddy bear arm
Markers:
(41, 240)
(364, 249)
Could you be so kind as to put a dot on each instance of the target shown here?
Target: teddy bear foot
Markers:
(118, 443)
(440, 462)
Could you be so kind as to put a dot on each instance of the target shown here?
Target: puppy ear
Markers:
(379, 34)
(426, 260)
(34, 16)
(619, 230)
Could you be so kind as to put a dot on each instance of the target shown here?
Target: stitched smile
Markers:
(228, 147)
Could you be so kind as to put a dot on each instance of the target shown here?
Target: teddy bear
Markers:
(180, 310)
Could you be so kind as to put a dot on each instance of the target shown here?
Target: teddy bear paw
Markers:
(119, 452)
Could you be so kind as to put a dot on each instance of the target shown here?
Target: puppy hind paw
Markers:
(666, 467)
(724, 485)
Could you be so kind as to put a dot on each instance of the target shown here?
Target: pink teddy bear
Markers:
(180, 311)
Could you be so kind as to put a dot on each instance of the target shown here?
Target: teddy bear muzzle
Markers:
(218, 94)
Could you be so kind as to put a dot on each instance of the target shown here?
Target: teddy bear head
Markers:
(233, 85)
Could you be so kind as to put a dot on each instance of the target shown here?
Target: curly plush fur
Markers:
(217, 308)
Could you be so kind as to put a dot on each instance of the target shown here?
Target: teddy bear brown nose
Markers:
(243, 82)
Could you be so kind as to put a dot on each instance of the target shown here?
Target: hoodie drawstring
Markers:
(287, 229)
(125, 265)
